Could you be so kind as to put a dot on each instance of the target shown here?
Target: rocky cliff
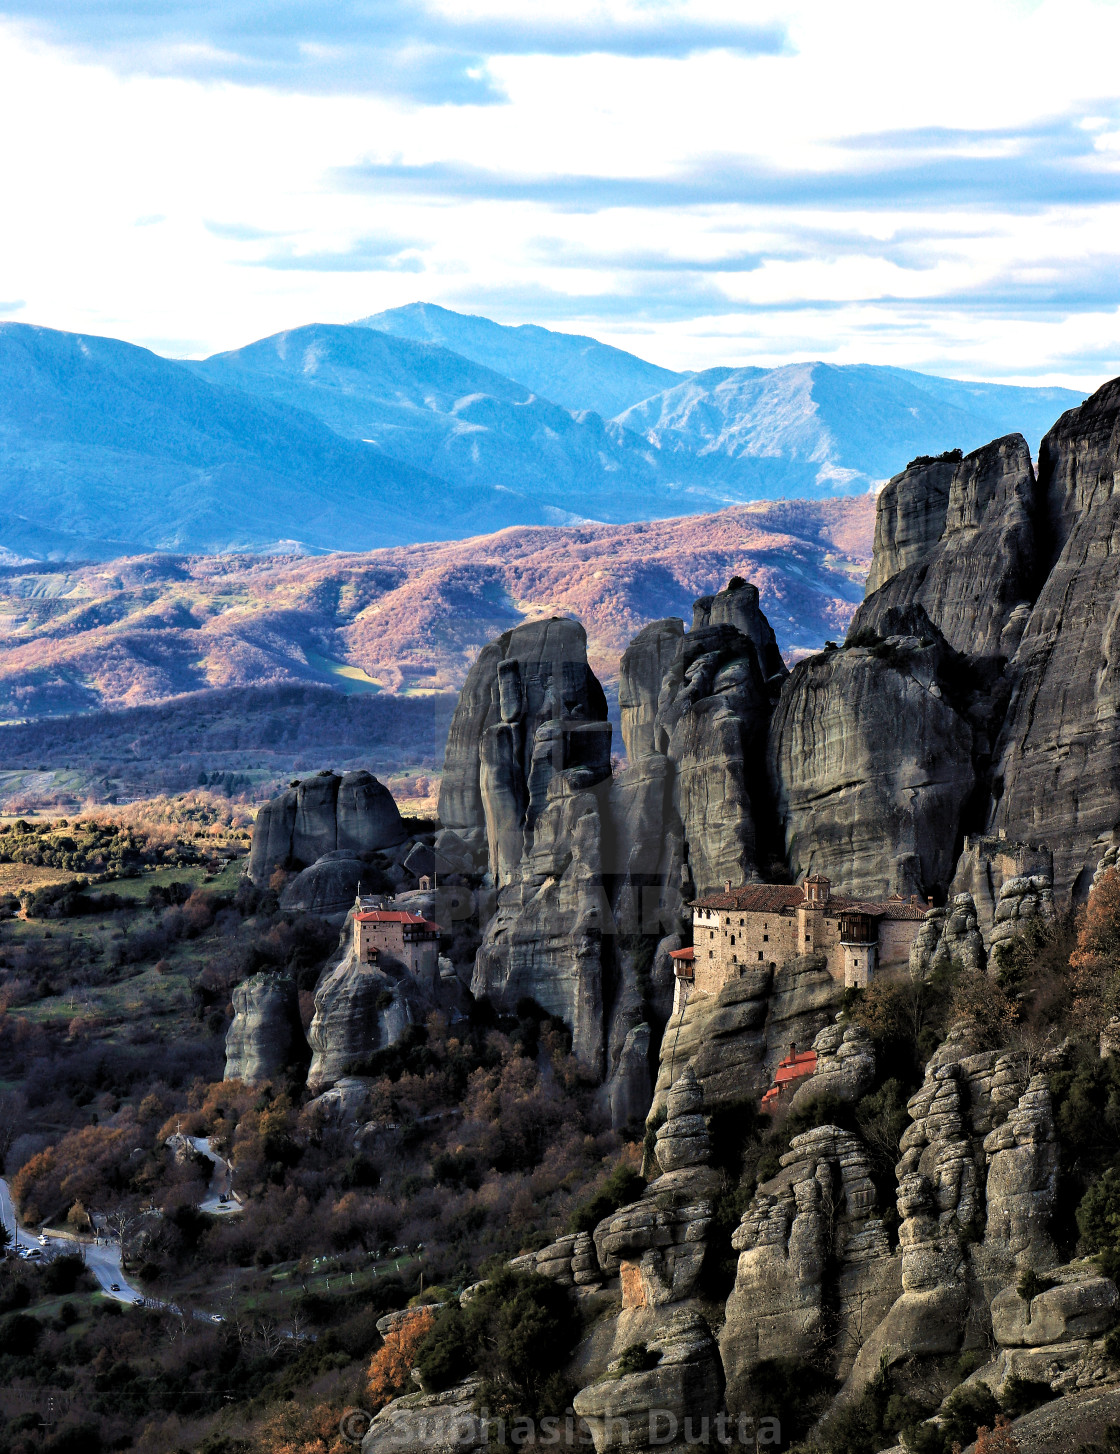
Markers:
(1058, 755)
(532, 730)
(1002, 719)
(265, 1039)
(871, 761)
(327, 813)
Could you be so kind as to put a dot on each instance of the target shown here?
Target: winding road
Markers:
(103, 1258)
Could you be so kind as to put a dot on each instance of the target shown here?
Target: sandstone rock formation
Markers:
(672, 1406)
(534, 675)
(1022, 902)
(734, 1041)
(328, 887)
(813, 1257)
(949, 936)
(265, 1037)
(910, 516)
(359, 1009)
(1058, 754)
(1023, 1178)
(976, 575)
(438, 1423)
(1082, 1304)
(643, 668)
(570, 1261)
(656, 1245)
(986, 862)
(541, 748)
(323, 814)
(845, 1066)
(870, 758)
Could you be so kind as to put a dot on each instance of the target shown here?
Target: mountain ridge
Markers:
(335, 437)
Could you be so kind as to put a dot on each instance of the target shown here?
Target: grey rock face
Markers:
(324, 814)
(845, 1066)
(439, 1423)
(735, 1041)
(630, 1087)
(1058, 755)
(815, 1223)
(641, 672)
(910, 516)
(712, 717)
(985, 863)
(738, 606)
(977, 579)
(657, 1244)
(265, 1037)
(1023, 1178)
(539, 766)
(545, 941)
(534, 674)
(685, 1388)
(359, 1009)
(871, 764)
(326, 888)
(1022, 904)
(1082, 1305)
(948, 936)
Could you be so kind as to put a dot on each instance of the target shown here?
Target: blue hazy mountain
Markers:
(572, 370)
(813, 428)
(346, 437)
(451, 417)
(108, 443)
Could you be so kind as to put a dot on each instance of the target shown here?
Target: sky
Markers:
(699, 181)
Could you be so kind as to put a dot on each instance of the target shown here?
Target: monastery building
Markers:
(762, 925)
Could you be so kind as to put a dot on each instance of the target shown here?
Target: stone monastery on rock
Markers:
(762, 925)
(385, 937)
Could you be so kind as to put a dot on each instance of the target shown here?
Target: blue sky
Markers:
(701, 181)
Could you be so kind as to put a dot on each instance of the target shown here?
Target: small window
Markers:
(740, 923)
(766, 939)
(733, 938)
(711, 933)
(711, 954)
(760, 954)
(734, 959)
(808, 939)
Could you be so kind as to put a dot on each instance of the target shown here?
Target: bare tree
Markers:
(270, 1335)
(122, 1224)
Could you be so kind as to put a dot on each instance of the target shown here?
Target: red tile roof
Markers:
(395, 916)
(795, 1067)
(682, 953)
(755, 899)
(785, 898)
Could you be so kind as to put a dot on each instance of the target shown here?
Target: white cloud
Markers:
(892, 186)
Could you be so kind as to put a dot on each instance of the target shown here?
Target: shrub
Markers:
(624, 1185)
(637, 1358)
(1098, 1215)
(1030, 1285)
(390, 1370)
(1020, 1395)
(518, 1331)
(20, 1334)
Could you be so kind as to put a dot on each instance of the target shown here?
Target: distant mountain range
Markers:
(420, 424)
(408, 620)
